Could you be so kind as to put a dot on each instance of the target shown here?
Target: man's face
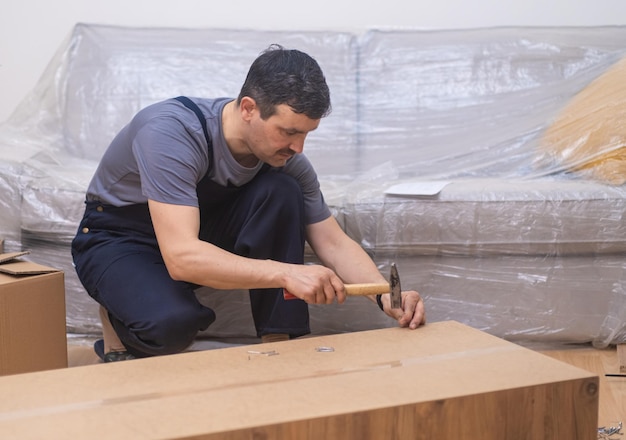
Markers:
(279, 137)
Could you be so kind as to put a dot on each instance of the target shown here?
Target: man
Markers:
(216, 192)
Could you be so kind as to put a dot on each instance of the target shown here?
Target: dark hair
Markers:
(287, 76)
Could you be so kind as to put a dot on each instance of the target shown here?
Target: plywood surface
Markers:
(612, 402)
(391, 383)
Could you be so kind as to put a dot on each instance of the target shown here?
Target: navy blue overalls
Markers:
(117, 259)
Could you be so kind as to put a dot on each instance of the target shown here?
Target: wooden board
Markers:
(443, 381)
(621, 357)
(612, 401)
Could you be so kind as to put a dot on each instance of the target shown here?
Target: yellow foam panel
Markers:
(590, 132)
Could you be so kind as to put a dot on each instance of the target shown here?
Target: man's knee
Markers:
(280, 187)
(167, 332)
(279, 196)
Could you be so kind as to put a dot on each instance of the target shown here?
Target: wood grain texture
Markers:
(366, 289)
(443, 381)
(612, 402)
(621, 357)
(522, 414)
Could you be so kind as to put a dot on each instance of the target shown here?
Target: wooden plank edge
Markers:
(621, 357)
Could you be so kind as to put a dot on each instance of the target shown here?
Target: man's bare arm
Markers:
(348, 259)
(190, 259)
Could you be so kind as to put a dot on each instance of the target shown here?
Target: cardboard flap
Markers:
(11, 256)
(11, 265)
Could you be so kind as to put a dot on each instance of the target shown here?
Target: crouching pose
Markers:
(216, 192)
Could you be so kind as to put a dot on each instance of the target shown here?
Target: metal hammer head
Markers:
(394, 288)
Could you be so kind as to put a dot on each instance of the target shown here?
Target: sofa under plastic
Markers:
(509, 242)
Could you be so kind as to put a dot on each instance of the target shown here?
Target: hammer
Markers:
(373, 289)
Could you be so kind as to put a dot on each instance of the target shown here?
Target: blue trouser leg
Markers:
(117, 259)
(266, 222)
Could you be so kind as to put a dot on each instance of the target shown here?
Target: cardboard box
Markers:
(32, 316)
(443, 381)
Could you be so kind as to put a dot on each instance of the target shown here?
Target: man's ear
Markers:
(247, 107)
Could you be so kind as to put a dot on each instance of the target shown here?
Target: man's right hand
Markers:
(314, 284)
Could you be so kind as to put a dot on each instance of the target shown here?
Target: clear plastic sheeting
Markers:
(494, 217)
(520, 240)
(97, 81)
(473, 103)
(613, 329)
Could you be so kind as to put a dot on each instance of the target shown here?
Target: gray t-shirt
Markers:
(162, 154)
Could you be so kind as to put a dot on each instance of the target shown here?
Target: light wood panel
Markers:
(621, 357)
(612, 405)
(612, 399)
(443, 381)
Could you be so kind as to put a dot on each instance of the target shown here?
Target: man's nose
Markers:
(297, 146)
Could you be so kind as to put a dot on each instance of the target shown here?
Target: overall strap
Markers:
(194, 108)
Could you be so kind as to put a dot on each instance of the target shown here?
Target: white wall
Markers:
(32, 30)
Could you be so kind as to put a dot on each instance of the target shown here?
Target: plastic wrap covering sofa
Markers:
(487, 163)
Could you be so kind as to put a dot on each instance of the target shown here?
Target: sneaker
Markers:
(112, 356)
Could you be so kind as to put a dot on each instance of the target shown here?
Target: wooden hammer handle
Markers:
(356, 289)
(366, 288)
